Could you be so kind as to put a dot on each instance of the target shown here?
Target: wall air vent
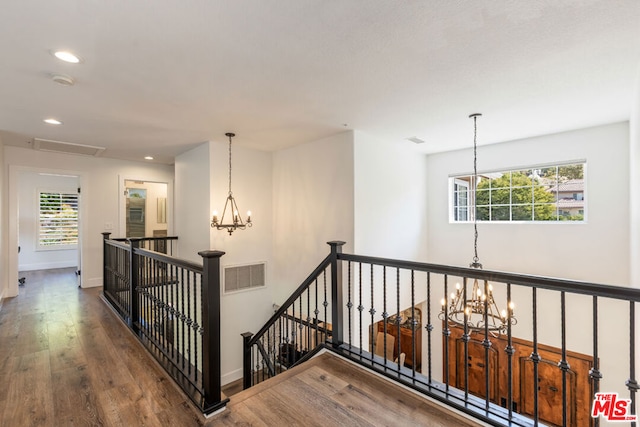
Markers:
(244, 277)
(66, 147)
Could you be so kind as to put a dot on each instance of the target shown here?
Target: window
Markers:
(57, 220)
(460, 200)
(541, 193)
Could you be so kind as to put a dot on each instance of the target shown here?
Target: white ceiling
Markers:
(161, 76)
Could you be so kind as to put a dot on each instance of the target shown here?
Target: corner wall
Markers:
(202, 187)
(247, 310)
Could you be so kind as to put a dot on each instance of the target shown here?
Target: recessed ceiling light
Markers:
(148, 158)
(52, 121)
(66, 56)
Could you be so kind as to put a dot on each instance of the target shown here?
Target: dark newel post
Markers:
(134, 243)
(211, 371)
(105, 236)
(336, 294)
(246, 360)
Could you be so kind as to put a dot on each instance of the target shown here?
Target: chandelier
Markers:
(477, 311)
(234, 220)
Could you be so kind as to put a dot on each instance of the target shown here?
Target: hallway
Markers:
(65, 360)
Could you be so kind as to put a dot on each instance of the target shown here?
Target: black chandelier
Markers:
(477, 311)
(234, 219)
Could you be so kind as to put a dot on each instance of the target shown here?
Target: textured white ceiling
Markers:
(161, 76)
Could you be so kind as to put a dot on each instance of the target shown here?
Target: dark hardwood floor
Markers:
(67, 360)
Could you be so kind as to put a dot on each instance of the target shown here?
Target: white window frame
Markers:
(60, 246)
(455, 199)
(457, 179)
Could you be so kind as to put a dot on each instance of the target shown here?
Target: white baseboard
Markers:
(231, 377)
(47, 265)
(92, 283)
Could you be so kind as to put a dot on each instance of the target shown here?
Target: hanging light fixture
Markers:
(478, 311)
(234, 219)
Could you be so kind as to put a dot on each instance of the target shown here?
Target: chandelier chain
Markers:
(475, 188)
(230, 165)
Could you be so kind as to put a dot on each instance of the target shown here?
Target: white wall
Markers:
(634, 180)
(99, 179)
(390, 200)
(595, 251)
(390, 192)
(30, 257)
(313, 202)
(192, 202)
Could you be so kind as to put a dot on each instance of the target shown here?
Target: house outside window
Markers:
(549, 193)
(57, 220)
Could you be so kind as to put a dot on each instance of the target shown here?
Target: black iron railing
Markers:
(571, 339)
(173, 307)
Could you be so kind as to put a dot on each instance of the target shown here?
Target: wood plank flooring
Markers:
(330, 391)
(67, 360)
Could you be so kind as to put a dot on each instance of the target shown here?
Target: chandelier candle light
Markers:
(479, 312)
(230, 205)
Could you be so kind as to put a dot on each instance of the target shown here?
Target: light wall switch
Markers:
(108, 226)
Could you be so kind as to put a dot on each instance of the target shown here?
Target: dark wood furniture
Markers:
(406, 338)
(579, 387)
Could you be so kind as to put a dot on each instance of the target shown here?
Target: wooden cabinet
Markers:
(407, 336)
(579, 387)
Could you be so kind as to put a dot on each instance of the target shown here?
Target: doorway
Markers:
(44, 222)
(144, 212)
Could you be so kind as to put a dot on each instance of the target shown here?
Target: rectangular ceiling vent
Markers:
(244, 277)
(66, 147)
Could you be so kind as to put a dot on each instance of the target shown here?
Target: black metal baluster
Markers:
(385, 315)
(349, 303)
(301, 325)
(429, 327)
(510, 352)
(446, 332)
(631, 383)
(535, 357)
(486, 343)
(280, 341)
(414, 324)
(372, 311)
(398, 348)
(316, 311)
(360, 306)
(465, 340)
(563, 365)
(189, 348)
(182, 319)
(196, 314)
(294, 333)
(309, 321)
(594, 373)
(325, 303)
